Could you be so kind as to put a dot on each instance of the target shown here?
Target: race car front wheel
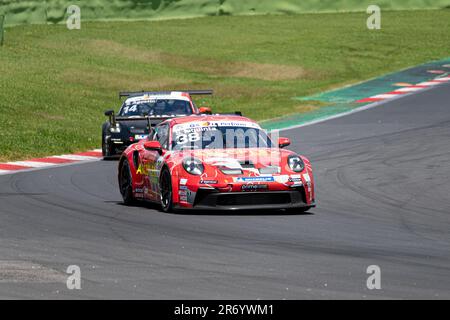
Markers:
(165, 187)
(126, 183)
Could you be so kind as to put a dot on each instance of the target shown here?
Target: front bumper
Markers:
(207, 199)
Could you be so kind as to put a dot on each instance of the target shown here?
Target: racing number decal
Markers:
(127, 109)
(149, 169)
(190, 137)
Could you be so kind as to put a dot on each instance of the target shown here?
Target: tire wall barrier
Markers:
(55, 11)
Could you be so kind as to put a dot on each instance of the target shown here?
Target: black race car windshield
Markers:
(220, 137)
(163, 107)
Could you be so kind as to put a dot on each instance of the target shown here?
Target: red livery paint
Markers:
(215, 162)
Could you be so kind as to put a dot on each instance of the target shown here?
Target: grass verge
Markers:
(55, 83)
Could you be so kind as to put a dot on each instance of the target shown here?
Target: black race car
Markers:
(143, 110)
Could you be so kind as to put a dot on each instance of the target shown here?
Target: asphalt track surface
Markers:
(383, 186)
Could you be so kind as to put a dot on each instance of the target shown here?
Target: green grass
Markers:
(55, 83)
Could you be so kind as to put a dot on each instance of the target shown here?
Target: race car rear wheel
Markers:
(126, 183)
(165, 187)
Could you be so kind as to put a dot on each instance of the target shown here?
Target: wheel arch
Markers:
(126, 157)
(119, 167)
(174, 179)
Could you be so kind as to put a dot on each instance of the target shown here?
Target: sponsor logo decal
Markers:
(159, 163)
(183, 195)
(255, 179)
(212, 125)
(307, 179)
(146, 168)
(141, 136)
(208, 181)
(254, 187)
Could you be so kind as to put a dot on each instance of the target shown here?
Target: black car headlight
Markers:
(296, 163)
(193, 166)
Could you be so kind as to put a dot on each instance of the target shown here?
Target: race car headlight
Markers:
(296, 163)
(193, 166)
(115, 129)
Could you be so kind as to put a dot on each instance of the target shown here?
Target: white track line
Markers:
(385, 96)
(31, 164)
(76, 157)
(408, 89)
(429, 83)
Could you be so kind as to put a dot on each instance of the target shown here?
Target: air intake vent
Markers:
(269, 170)
(231, 171)
(246, 164)
(248, 199)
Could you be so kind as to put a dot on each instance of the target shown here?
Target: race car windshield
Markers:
(156, 108)
(220, 137)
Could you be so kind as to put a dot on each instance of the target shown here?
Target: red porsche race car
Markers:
(224, 162)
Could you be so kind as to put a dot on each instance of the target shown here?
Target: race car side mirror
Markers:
(283, 142)
(153, 146)
(205, 110)
(110, 114)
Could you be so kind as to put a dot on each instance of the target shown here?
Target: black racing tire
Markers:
(125, 183)
(165, 188)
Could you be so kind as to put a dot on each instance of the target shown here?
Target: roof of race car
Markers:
(163, 96)
(206, 118)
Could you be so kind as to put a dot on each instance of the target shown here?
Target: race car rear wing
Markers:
(190, 92)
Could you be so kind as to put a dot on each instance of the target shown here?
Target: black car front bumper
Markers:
(207, 200)
(118, 143)
(118, 146)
